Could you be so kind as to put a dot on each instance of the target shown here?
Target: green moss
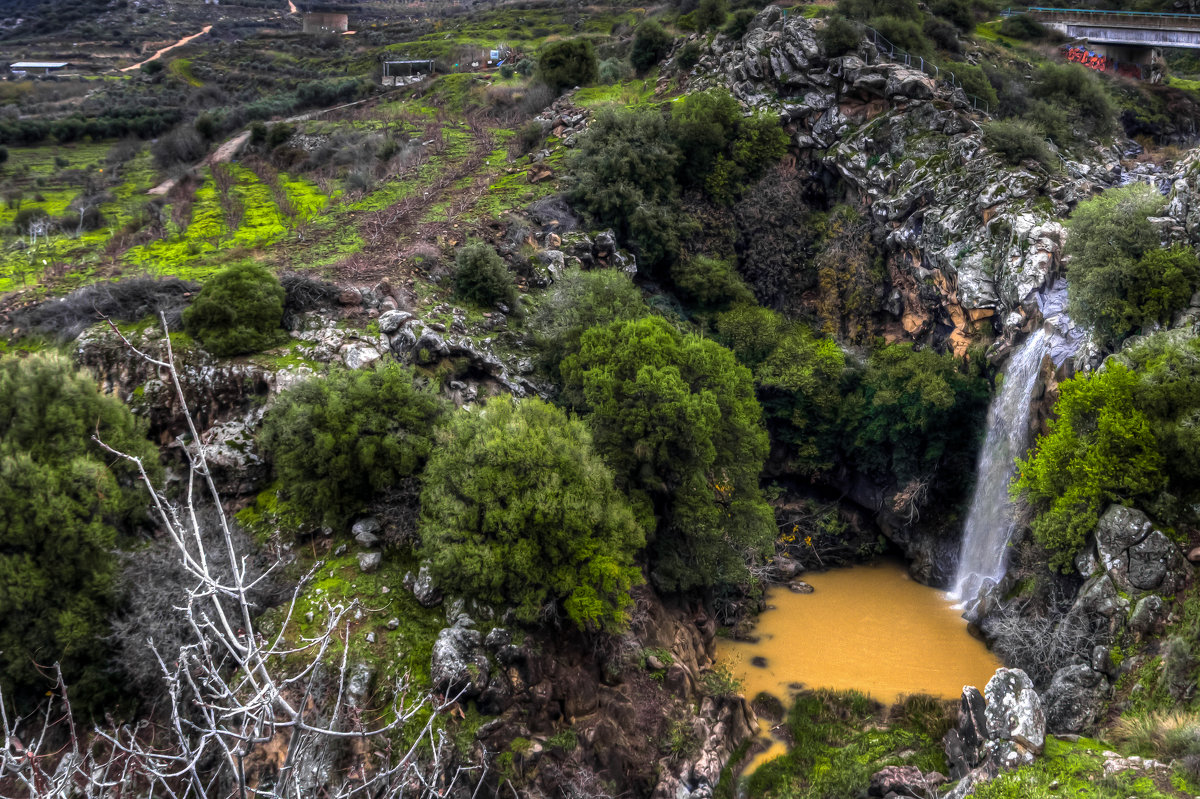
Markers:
(1069, 769)
(841, 739)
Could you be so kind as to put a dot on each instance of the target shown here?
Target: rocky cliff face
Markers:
(631, 712)
(967, 239)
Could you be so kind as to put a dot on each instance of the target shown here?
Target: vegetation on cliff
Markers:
(66, 506)
(519, 511)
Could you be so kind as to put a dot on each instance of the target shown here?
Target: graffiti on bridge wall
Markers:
(1101, 63)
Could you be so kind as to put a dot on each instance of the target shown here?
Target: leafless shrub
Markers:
(154, 582)
(181, 147)
(125, 300)
(303, 294)
(231, 203)
(236, 694)
(1041, 637)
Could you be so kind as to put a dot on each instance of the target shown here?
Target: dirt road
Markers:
(222, 154)
(168, 48)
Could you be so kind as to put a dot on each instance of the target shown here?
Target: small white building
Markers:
(37, 67)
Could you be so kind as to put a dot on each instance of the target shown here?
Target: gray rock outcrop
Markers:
(1074, 699)
(1014, 710)
(1136, 556)
(459, 664)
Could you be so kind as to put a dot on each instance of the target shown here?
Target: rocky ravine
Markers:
(968, 239)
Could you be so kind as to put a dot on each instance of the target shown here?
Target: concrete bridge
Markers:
(1145, 30)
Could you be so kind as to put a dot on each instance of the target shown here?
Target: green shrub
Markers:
(581, 300)
(958, 12)
(905, 33)
(711, 14)
(25, 219)
(481, 277)
(568, 63)
(1080, 92)
(739, 23)
(709, 282)
(1052, 121)
(335, 442)
(613, 70)
(507, 71)
(650, 44)
(526, 67)
(65, 505)
(1101, 449)
(518, 510)
(689, 55)
(676, 418)
(942, 34)
(1023, 26)
(866, 9)
(1017, 141)
(239, 310)
(1120, 278)
(974, 81)
(624, 170)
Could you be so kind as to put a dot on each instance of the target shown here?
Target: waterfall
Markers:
(990, 523)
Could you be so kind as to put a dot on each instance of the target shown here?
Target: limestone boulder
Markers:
(904, 781)
(459, 664)
(1014, 711)
(366, 531)
(422, 586)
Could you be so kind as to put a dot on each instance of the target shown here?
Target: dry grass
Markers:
(1170, 734)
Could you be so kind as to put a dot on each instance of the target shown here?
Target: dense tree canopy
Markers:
(676, 417)
(564, 64)
(336, 441)
(631, 166)
(65, 504)
(519, 510)
(1126, 434)
(1120, 277)
(581, 300)
(916, 415)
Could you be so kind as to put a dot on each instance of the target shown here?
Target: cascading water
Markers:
(990, 522)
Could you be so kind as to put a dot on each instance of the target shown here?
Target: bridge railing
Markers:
(1136, 20)
(1099, 12)
(900, 56)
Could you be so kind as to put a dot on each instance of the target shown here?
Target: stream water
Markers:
(871, 628)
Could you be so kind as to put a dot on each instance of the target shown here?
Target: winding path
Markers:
(168, 48)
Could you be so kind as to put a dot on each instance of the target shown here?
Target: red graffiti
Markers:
(1091, 60)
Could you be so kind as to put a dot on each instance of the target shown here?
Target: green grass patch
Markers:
(182, 68)
(1075, 770)
(630, 93)
(990, 32)
(841, 738)
(1184, 83)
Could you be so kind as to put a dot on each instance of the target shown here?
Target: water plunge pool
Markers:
(869, 628)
